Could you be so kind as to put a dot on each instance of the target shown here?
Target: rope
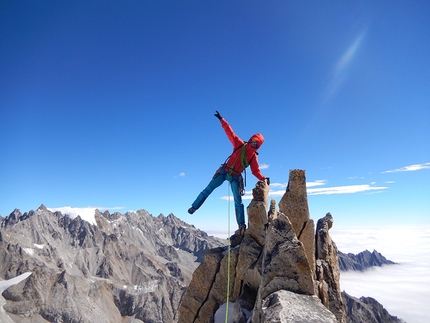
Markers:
(228, 258)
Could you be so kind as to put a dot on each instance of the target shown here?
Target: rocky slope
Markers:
(129, 267)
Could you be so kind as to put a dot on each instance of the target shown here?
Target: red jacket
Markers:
(251, 155)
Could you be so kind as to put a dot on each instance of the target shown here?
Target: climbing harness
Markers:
(244, 162)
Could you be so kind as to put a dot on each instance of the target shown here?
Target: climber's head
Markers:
(256, 140)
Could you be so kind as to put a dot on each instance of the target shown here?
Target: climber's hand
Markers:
(217, 115)
(268, 180)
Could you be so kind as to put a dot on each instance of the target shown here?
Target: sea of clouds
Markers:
(403, 289)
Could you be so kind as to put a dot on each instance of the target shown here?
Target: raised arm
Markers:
(234, 139)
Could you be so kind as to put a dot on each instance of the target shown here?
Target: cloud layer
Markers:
(403, 289)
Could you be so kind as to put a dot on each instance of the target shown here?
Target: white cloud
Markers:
(247, 196)
(348, 189)
(318, 182)
(182, 174)
(264, 166)
(410, 168)
(273, 193)
(280, 185)
(86, 213)
(278, 189)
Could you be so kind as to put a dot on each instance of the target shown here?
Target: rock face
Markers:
(273, 270)
(362, 260)
(294, 204)
(129, 267)
(327, 269)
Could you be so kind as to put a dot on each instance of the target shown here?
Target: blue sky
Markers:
(110, 104)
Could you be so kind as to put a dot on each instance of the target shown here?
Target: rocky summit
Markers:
(129, 267)
(283, 270)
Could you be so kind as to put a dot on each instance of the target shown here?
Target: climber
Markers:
(244, 154)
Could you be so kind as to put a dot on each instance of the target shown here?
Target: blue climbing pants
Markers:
(216, 181)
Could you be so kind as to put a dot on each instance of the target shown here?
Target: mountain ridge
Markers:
(362, 260)
(129, 266)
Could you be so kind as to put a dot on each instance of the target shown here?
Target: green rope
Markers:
(228, 258)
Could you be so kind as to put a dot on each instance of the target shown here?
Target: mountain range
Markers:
(130, 267)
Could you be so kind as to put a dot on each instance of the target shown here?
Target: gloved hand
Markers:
(217, 115)
(268, 180)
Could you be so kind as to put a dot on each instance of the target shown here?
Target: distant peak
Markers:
(42, 208)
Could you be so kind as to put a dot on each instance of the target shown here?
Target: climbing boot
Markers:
(242, 229)
(238, 235)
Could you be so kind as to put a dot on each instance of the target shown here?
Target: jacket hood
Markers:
(258, 138)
